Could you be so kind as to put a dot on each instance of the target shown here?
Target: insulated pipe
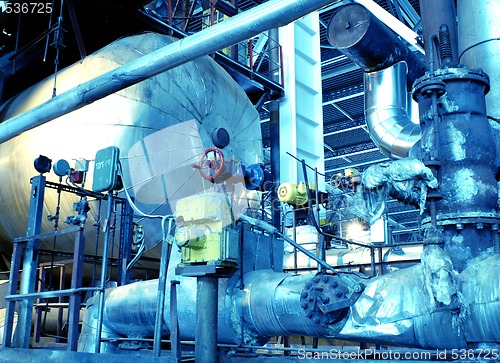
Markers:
(369, 43)
(390, 69)
(386, 111)
(428, 305)
(272, 14)
(435, 13)
(479, 43)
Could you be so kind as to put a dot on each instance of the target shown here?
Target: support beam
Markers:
(398, 27)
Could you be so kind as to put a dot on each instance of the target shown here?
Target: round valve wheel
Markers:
(211, 168)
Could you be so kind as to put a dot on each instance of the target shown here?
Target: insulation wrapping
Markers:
(406, 180)
(404, 307)
(270, 304)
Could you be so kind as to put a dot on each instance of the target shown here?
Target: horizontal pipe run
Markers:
(241, 27)
(51, 294)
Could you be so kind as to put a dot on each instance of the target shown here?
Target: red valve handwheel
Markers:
(215, 165)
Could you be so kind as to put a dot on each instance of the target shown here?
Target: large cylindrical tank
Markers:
(479, 43)
(479, 47)
(161, 125)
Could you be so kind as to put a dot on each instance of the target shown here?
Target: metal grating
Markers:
(352, 137)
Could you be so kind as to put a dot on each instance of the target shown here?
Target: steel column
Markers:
(15, 266)
(175, 336)
(206, 319)
(126, 236)
(104, 271)
(75, 300)
(435, 13)
(30, 262)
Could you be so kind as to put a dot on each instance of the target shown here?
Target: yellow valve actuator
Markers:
(292, 193)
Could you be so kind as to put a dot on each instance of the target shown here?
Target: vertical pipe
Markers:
(104, 271)
(62, 272)
(15, 266)
(206, 319)
(250, 52)
(372, 261)
(160, 301)
(38, 310)
(175, 336)
(75, 299)
(479, 43)
(435, 13)
(30, 263)
(274, 125)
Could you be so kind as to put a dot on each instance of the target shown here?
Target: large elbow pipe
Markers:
(387, 112)
(390, 70)
(366, 41)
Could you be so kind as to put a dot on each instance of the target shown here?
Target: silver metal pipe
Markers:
(387, 112)
(205, 349)
(479, 43)
(479, 47)
(428, 305)
(270, 305)
(272, 14)
(104, 268)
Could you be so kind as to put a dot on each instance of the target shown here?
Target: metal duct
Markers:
(387, 111)
(272, 14)
(390, 69)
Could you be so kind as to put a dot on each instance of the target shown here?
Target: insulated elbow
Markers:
(387, 112)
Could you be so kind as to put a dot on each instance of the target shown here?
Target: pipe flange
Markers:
(325, 299)
(460, 219)
(432, 85)
(461, 72)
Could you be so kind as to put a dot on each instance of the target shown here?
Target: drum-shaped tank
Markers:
(161, 125)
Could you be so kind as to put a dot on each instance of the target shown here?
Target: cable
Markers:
(132, 204)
